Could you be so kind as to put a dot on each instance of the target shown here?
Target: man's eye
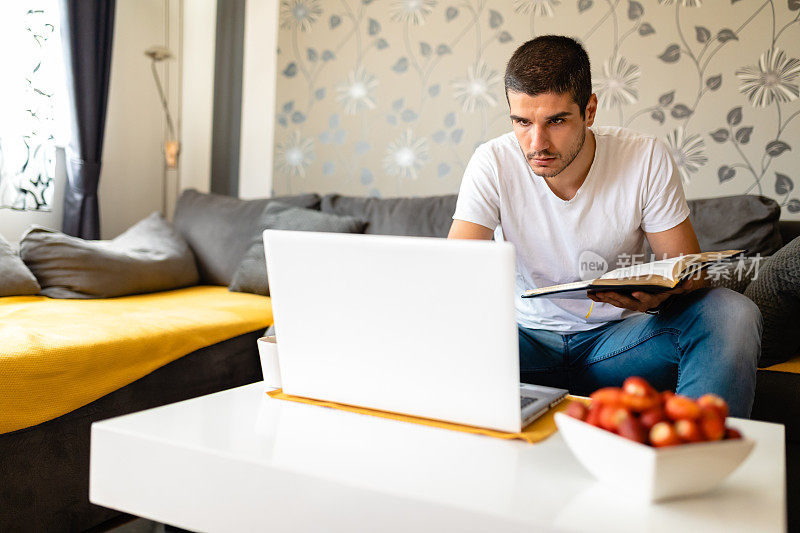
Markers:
(523, 122)
(557, 121)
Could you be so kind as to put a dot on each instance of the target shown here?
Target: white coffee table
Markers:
(241, 461)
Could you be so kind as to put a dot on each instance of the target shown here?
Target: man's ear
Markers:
(591, 109)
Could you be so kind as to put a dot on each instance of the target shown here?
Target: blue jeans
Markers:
(706, 341)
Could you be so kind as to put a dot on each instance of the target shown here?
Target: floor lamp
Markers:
(172, 147)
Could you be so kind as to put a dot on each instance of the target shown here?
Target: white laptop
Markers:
(411, 325)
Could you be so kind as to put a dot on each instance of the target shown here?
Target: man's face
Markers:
(549, 129)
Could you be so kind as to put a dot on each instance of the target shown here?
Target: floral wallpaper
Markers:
(391, 97)
(27, 104)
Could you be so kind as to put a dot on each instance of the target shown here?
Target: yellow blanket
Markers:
(792, 365)
(58, 355)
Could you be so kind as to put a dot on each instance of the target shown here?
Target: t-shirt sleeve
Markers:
(665, 202)
(478, 199)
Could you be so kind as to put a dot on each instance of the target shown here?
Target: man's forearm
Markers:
(702, 282)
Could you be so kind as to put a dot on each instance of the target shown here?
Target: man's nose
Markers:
(539, 140)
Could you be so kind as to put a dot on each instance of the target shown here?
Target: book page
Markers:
(703, 260)
(666, 268)
(556, 288)
(717, 256)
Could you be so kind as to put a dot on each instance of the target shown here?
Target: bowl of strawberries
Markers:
(654, 445)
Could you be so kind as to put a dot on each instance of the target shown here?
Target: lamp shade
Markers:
(158, 53)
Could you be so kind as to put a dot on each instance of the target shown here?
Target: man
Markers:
(559, 189)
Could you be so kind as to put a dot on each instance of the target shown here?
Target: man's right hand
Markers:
(639, 300)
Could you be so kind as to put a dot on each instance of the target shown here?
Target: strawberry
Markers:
(637, 386)
(663, 434)
(715, 402)
(689, 431)
(630, 428)
(651, 417)
(577, 410)
(680, 407)
(607, 396)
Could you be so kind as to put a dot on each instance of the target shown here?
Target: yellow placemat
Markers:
(538, 430)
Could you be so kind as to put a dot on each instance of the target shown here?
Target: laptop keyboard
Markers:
(525, 401)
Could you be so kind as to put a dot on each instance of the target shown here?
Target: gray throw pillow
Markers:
(251, 276)
(15, 278)
(738, 274)
(744, 221)
(219, 228)
(420, 217)
(150, 256)
(776, 291)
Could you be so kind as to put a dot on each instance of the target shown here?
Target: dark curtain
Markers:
(87, 29)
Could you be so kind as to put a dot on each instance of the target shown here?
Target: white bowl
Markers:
(647, 472)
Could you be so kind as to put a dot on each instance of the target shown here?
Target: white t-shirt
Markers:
(633, 186)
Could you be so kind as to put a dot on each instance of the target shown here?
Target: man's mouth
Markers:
(542, 160)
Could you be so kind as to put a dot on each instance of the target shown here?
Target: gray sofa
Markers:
(44, 469)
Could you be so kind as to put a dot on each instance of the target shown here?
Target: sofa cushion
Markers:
(15, 278)
(744, 221)
(776, 291)
(423, 217)
(251, 276)
(219, 229)
(150, 256)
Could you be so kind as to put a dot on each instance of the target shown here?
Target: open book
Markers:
(653, 277)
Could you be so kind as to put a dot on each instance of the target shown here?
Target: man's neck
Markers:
(566, 184)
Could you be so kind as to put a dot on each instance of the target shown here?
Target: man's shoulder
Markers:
(623, 135)
(498, 151)
(500, 145)
(623, 144)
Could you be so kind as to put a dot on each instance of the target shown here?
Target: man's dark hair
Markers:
(551, 64)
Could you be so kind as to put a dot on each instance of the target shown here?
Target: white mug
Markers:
(268, 351)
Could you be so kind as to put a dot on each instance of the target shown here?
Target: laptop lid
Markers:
(412, 325)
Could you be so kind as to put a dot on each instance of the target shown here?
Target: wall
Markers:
(132, 177)
(258, 98)
(199, 39)
(392, 101)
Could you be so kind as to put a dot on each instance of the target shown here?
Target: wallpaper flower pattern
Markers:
(391, 97)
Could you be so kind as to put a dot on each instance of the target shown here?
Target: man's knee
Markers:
(733, 320)
(721, 339)
(533, 352)
(723, 306)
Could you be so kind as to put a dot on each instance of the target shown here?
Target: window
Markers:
(31, 103)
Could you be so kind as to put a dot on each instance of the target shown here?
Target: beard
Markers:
(560, 161)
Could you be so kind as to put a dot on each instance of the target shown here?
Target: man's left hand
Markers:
(639, 301)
